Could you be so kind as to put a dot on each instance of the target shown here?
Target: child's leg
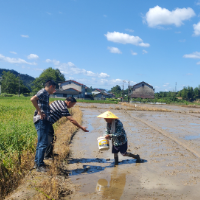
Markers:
(132, 155)
(116, 158)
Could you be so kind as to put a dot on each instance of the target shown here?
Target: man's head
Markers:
(70, 101)
(50, 86)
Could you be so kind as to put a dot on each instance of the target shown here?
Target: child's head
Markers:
(50, 86)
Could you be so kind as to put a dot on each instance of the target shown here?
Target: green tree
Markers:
(11, 84)
(49, 73)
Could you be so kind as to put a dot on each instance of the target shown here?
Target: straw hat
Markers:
(108, 115)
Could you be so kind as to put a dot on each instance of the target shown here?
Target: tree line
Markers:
(12, 84)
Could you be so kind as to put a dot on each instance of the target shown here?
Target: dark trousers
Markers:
(42, 127)
(49, 149)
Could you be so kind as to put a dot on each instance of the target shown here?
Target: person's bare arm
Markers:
(73, 121)
(35, 104)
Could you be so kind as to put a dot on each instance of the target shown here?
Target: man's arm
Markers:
(73, 121)
(35, 104)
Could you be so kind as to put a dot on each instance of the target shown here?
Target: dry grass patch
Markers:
(54, 187)
(143, 108)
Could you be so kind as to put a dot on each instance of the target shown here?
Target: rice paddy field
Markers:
(17, 140)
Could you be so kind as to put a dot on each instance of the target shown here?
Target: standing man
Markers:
(41, 120)
(59, 109)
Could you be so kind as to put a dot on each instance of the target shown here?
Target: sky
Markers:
(104, 43)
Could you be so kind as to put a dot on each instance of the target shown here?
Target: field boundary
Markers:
(54, 184)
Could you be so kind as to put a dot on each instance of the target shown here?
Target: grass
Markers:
(55, 185)
(17, 141)
(143, 108)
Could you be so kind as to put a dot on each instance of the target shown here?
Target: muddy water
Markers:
(170, 170)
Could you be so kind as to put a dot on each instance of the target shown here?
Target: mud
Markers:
(167, 141)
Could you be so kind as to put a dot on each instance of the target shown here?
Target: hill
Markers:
(27, 80)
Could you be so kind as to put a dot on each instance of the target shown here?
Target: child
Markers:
(116, 132)
(41, 121)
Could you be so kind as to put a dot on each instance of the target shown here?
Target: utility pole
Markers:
(128, 90)
(19, 86)
(175, 86)
(123, 89)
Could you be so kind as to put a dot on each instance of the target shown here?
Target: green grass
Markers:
(17, 131)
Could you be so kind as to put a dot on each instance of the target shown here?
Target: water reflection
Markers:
(116, 187)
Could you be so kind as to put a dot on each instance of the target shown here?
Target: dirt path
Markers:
(169, 143)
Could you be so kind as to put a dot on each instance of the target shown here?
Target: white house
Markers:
(100, 94)
(70, 88)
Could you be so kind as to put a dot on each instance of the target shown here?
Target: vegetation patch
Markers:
(18, 140)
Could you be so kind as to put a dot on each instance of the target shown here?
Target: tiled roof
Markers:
(142, 82)
(73, 81)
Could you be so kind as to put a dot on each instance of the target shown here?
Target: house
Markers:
(70, 88)
(101, 94)
(141, 90)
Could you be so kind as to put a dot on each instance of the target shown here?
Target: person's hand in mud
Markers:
(108, 137)
(85, 129)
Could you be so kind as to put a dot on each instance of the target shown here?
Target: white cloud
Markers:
(48, 13)
(124, 38)
(103, 75)
(15, 60)
(166, 84)
(198, 3)
(161, 16)
(178, 32)
(195, 55)
(70, 68)
(189, 74)
(55, 62)
(89, 73)
(133, 53)
(25, 36)
(13, 52)
(144, 51)
(114, 50)
(32, 56)
(129, 30)
(196, 29)
(198, 63)
(105, 15)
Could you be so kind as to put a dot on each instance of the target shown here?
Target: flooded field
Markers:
(167, 141)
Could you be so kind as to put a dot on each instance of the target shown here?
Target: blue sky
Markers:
(102, 43)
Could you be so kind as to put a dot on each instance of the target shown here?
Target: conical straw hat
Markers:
(108, 115)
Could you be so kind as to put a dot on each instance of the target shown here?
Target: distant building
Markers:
(101, 94)
(70, 88)
(141, 90)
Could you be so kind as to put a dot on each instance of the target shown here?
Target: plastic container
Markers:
(102, 185)
(103, 143)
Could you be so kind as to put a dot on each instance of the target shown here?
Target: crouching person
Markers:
(59, 109)
(116, 132)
